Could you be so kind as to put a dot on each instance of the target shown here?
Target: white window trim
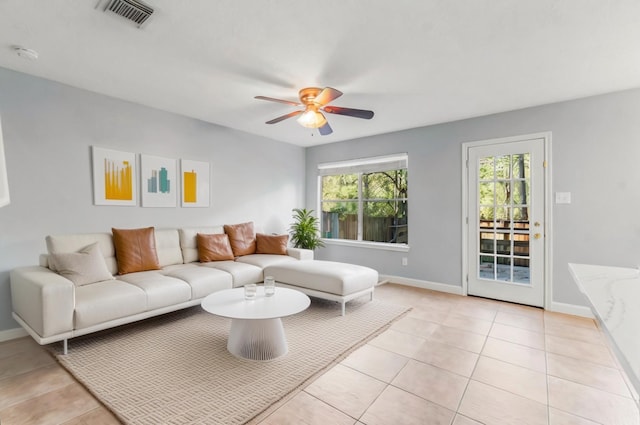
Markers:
(401, 247)
(359, 166)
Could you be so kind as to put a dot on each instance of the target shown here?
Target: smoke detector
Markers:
(25, 53)
(132, 10)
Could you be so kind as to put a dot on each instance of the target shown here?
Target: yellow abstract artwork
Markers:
(118, 180)
(195, 183)
(114, 177)
(190, 179)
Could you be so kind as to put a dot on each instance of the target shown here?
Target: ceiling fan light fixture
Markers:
(316, 101)
(312, 118)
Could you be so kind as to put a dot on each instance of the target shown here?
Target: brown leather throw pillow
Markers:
(271, 244)
(135, 250)
(242, 238)
(213, 247)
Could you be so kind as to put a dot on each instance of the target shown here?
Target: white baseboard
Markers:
(12, 334)
(574, 310)
(558, 307)
(441, 287)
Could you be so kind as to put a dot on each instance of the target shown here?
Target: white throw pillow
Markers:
(83, 267)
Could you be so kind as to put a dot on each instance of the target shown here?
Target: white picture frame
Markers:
(158, 181)
(4, 182)
(195, 183)
(114, 177)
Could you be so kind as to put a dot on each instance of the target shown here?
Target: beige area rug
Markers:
(175, 369)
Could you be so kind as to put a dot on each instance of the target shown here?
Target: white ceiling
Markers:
(413, 62)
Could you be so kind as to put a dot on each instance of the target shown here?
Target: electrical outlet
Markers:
(405, 261)
(563, 197)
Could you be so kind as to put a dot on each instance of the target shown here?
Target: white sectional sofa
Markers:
(53, 308)
(90, 282)
(329, 280)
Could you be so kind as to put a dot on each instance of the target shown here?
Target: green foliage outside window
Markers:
(383, 198)
(504, 190)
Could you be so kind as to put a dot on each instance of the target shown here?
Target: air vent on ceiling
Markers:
(132, 10)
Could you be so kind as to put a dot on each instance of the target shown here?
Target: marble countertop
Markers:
(614, 294)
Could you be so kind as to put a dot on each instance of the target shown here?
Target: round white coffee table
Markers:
(256, 329)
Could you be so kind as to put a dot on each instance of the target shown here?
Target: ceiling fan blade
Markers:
(284, 117)
(357, 113)
(327, 95)
(273, 99)
(325, 129)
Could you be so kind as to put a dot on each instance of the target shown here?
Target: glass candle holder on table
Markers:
(269, 286)
(250, 291)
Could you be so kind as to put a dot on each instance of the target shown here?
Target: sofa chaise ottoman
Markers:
(329, 280)
(53, 307)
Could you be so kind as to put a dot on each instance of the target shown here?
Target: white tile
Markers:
(432, 383)
(590, 403)
(376, 362)
(492, 406)
(509, 377)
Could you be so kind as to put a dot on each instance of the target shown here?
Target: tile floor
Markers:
(451, 360)
(465, 361)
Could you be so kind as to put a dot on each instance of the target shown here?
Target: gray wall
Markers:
(595, 149)
(48, 131)
(49, 128)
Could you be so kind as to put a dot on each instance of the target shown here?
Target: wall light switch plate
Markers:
(563, 197)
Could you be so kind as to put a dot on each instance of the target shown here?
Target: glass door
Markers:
(506, 229)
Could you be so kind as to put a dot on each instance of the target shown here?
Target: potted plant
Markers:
(304, 230)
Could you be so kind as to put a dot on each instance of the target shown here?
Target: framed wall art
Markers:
(114, 177)
(158, 181)
(195, 183)
(4, 183)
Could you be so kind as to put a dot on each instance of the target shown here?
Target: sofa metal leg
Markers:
(65, 347)
(343, 304)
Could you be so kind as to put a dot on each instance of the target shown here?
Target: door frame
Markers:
(548, 233)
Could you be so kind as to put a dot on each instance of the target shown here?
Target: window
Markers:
(365, 200)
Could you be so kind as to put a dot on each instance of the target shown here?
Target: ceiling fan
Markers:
(315, 101)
